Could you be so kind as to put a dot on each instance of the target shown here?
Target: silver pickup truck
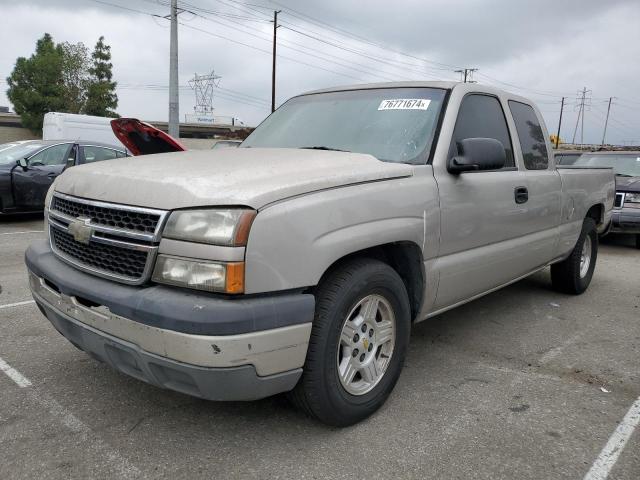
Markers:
(299, 261)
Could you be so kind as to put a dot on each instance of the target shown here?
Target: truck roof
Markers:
(366, 86)
(471, 87)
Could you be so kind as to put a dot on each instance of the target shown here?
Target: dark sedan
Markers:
(28, 168)
(626, 209)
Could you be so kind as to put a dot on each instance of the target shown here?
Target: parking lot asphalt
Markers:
(524, 383)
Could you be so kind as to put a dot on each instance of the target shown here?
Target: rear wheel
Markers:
(358, 343)
(573, 275)
(638, 241)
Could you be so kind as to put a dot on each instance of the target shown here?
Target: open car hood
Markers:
(143, 139)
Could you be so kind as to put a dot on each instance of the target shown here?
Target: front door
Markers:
(30, 186)
(482, 216)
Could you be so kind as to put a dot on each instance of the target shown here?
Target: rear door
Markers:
(482, 221)
(30, 186)
(543, 183)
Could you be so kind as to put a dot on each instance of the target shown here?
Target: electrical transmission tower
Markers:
(466, 74)
(203, 86)
(583, 102)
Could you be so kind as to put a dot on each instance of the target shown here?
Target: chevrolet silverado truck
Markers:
(299, 261)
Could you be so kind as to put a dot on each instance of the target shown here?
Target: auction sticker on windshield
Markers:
(404, 104)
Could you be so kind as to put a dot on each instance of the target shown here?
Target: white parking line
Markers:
(20, 233)
(100, 448)
(17, 304)
(14, 375)
(609, 455)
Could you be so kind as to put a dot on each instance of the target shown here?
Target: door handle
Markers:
(521, 194)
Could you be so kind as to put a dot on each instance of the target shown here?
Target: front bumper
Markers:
(625, 220)
(263, 356)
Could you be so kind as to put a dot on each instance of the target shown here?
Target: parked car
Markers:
(567, 157)
(28, 168)
(226, 144)
(299, 261)
(626, 210)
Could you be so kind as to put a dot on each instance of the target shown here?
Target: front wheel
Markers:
(358, 343)
(573, 275)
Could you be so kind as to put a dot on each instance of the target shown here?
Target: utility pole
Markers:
(174, 101)
(606, 120)
(559, 123)
(467, 74)
(582, 125)
(273, 69)
(584, 102)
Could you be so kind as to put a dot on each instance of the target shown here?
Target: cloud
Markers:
(543, 49)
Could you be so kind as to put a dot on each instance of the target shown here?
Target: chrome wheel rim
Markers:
(366, 344)
(585, 257)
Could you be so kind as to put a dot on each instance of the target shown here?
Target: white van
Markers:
(71, 126)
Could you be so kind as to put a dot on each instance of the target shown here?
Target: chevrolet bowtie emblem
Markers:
(81, 230)
(365, 342)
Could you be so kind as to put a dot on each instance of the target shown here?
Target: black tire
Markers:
(565, 275)
(319, 392)
(638, 241)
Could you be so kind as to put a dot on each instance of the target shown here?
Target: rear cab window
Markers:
(481, 116)
(94, 153)
(531, 136)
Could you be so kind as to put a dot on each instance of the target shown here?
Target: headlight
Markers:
(200, 275)
(229, 227)
(47, 205)
(632, 198)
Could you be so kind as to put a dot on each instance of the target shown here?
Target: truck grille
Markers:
(110, 217)
(619, 200)
(105, 258)
(108, 240)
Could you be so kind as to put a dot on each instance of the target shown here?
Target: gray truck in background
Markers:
(299, 261)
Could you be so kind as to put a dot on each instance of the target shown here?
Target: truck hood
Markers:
(628, 184)
(253, 177)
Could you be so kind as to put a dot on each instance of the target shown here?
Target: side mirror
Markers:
(23, 163)
(478, 154)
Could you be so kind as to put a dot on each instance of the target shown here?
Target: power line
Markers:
(268, 52)
(359, 38)
(318, 54)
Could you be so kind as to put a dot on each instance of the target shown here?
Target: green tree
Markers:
(101, 97)
(75, 76)
(36, 85)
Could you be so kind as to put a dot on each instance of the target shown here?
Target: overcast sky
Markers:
(543, 49)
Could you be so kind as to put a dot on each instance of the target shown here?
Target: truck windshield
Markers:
(392, 124)
(9, 153)
(624, 164)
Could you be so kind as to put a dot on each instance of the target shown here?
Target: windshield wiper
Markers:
(324, 148)
(623, 175)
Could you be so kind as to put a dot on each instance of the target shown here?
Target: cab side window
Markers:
(97, 154)
(534, 148)
(56, 155)
(481, 116)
